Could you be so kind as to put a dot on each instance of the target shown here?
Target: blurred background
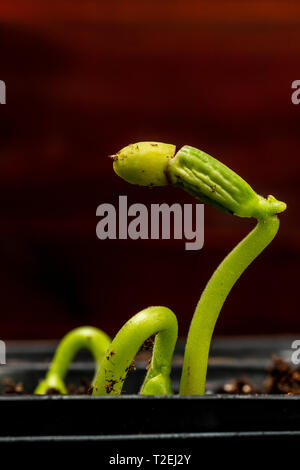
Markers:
(83, 80)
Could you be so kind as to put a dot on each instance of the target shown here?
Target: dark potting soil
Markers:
(281, 378)
(11, 387)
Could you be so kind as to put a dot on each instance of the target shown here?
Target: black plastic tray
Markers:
(132, 424)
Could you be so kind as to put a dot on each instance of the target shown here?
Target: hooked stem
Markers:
(86, 337)
(116, 363)
(212, 299)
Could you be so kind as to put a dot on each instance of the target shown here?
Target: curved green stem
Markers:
(212, 299)
(116, 363)
(201, 175)
(85, 337)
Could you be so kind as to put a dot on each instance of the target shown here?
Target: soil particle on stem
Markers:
(132, 366)
(148, 364)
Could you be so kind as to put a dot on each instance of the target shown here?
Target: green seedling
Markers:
(204, 177)
(113, 359)
(85, 337)
(158, 321)
(156, 164)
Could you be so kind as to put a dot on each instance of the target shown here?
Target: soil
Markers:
(240, 386)
(281, 378)
(148, 344)
(12, 387)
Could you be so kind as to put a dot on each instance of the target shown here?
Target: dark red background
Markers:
(85, 79)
